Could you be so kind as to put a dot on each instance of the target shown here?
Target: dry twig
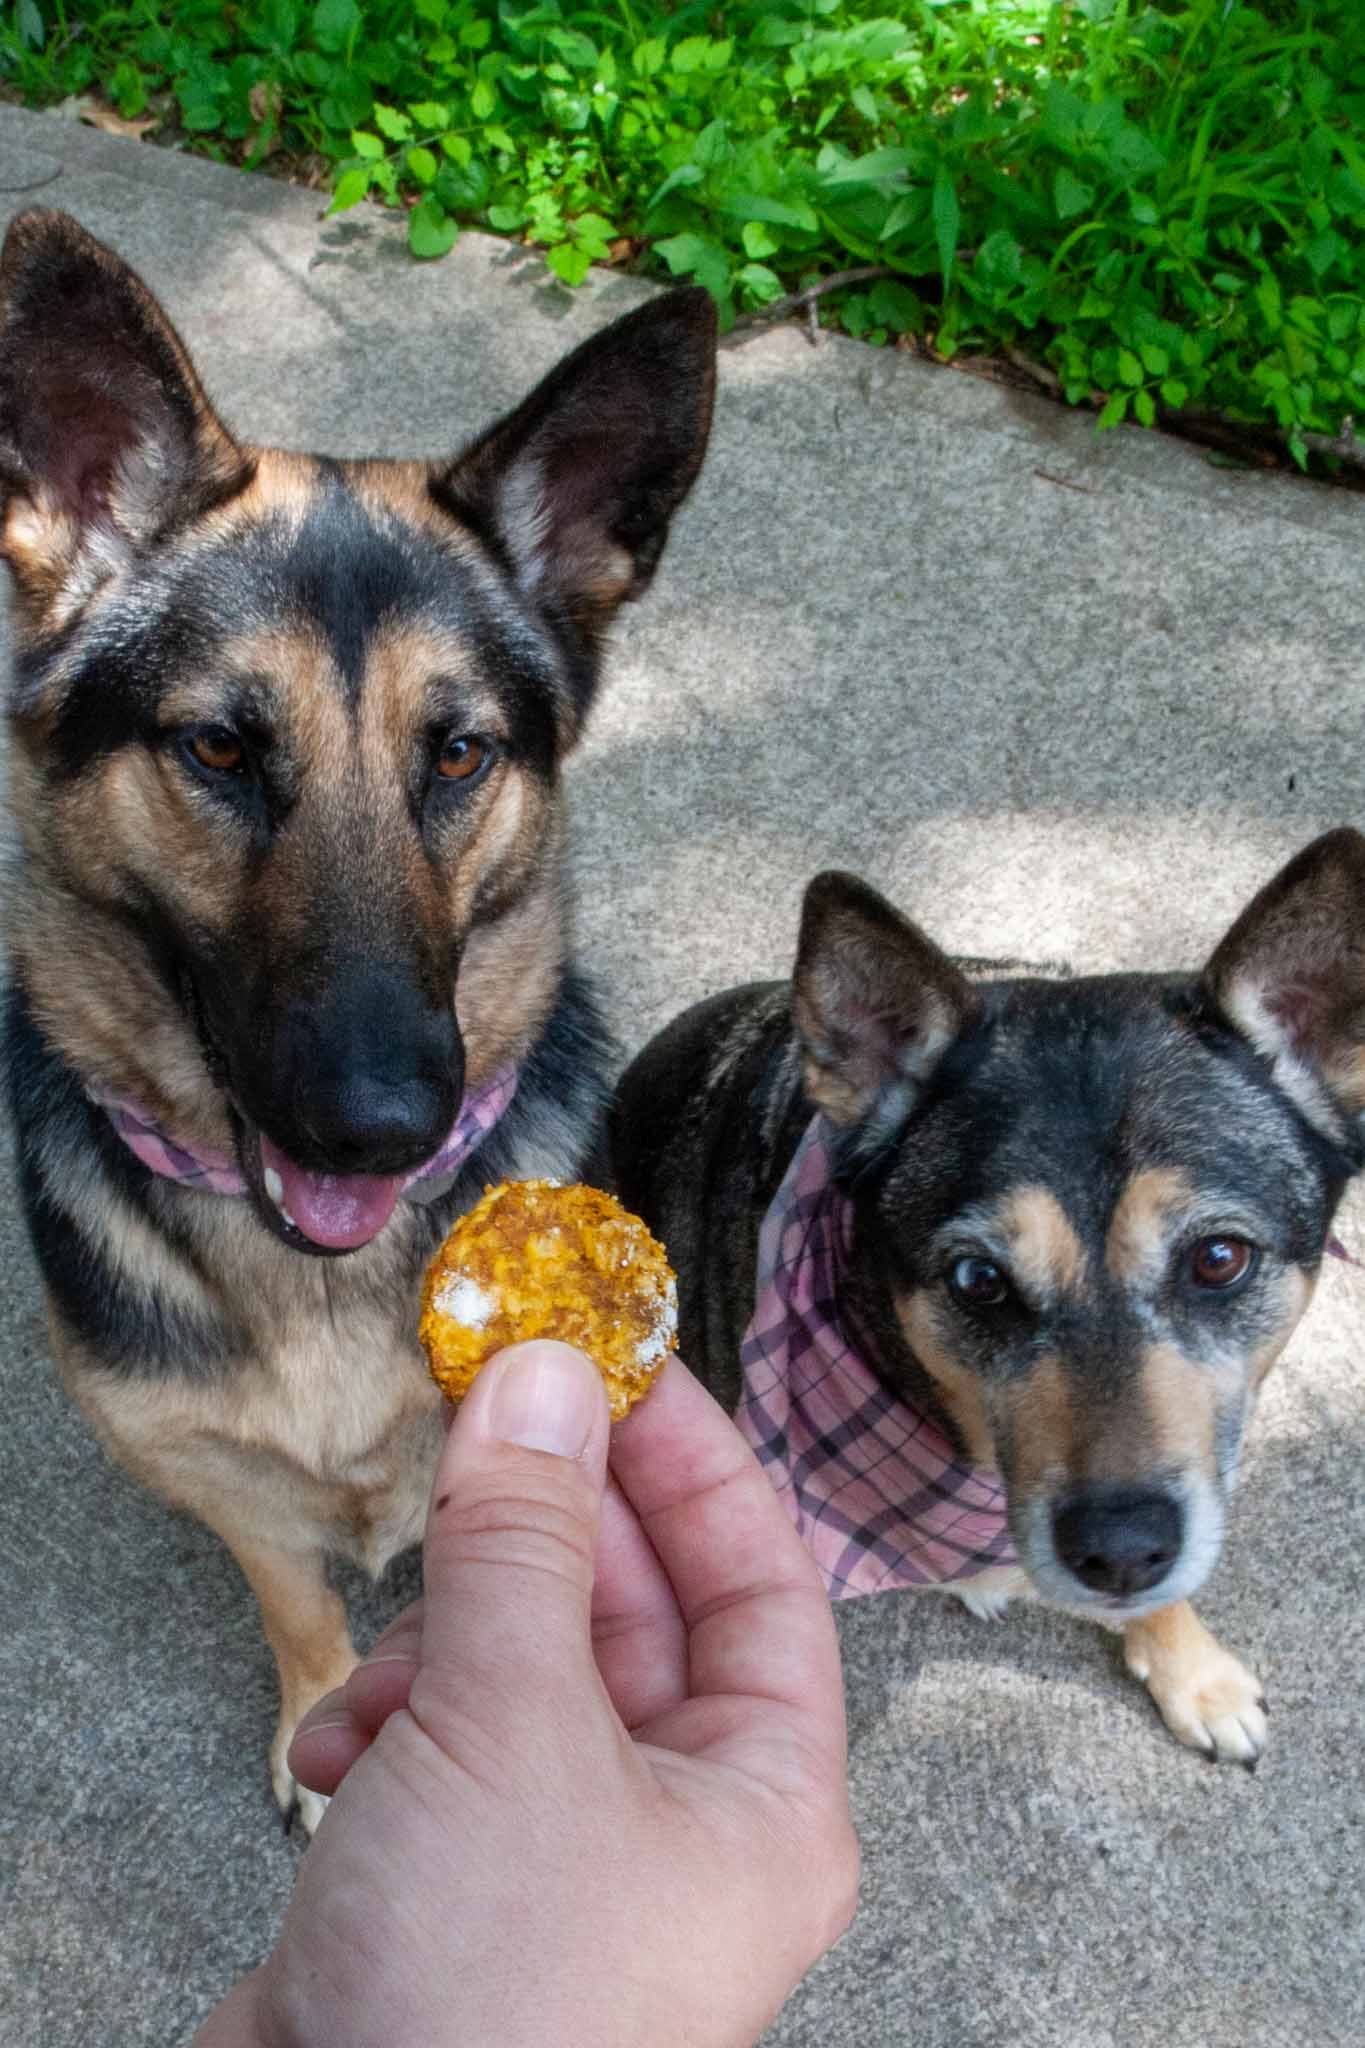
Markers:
(804, 301)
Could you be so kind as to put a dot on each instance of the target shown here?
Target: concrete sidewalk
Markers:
(1059, 697)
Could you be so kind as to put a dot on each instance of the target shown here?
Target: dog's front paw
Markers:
(990, 1592)
(291, 1797)
(1206, 1696)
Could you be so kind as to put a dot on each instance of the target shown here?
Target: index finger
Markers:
(755, 1609)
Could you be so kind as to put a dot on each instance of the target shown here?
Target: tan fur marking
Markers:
(959, 1387)
(1046, 1255)
(1177, 1399)
(403, 490)
(305, 1625)
(508, 980)
(1043, 1428)
(1136, 1246)
(283, 484)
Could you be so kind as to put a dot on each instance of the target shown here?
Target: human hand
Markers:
(592, 1789)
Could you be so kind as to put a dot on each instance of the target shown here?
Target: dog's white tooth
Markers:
(274, 1187)
(288, 1218)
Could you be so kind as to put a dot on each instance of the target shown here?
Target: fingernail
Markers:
(546, 1399)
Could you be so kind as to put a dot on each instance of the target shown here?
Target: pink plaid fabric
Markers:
(215, 1173)
(875, 1489)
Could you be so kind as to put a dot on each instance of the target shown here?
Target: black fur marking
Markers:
(347, 576)
(65, 1141)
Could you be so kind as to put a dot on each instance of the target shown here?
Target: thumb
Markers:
(512, 1533)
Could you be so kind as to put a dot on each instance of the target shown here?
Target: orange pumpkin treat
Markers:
(534, 1259)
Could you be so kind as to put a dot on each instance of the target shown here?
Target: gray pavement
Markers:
(1058, 697)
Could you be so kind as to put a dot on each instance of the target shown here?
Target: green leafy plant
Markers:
(1159, 206)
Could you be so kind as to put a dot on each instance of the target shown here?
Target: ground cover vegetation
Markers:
(1159, 208)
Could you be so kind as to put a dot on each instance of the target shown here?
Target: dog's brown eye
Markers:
(1220, 1262)
(978, 1283)
(461, 757)
(218, 749)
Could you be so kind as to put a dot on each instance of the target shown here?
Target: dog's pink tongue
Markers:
(338, 1210)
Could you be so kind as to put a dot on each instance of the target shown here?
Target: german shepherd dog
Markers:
(289, 889)
(1084, 1216)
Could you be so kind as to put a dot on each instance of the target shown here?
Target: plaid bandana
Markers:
(875, 1489)
(216, 1174)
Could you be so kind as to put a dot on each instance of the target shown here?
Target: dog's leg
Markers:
(1205, 1696)
(990, 1592)
(305, 1625)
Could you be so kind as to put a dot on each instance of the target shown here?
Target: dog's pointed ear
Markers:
(576, 488)
(876, 1004)
(105, 431)
(1290, 978)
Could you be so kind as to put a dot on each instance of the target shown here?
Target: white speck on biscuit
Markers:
(464, 1301)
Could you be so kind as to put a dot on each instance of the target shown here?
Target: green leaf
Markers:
(1155, 359)
(464, 187)
(577, 51)
(756, 206)
(351, 186)
(429, 114)
(865, 101)
(128, 90)
(947, 217)
(1115, 410)
(1070, 194)
(594, 234)
(1174, 393)
(758, 240)
(1130, 369)
(906, 211)
(334, 23)
(1144, 406)
(421, 165)
(761, 284)
(685, 175)
(431, 232)
(569, 263)
(1324, 250)
(368, 146)
(390, 122)
(893, 304)
(28, 19)
(690, 54)
(697, 256)
(998, 262)
(1268, 299)
(483, 99)
(883, 168)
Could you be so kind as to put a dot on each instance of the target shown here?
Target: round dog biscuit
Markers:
(534, 1259)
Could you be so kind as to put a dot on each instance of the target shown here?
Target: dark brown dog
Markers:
(1085, 1217)
(287, 735)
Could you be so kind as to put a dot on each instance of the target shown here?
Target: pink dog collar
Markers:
(875, 1489)
(215, 1173)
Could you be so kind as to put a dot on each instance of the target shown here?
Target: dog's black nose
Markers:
(365, 1078)
(368, 1125)
(1118, 1541)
